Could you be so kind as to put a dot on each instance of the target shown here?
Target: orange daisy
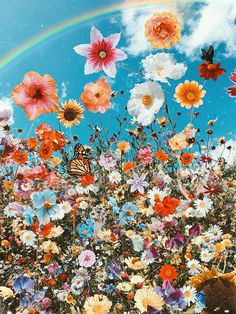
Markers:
(128, 166)
(168, 272)
(189, 94)
(186, 158)
(45, 151)
(32, 142)
(19, 157)
(210, 70)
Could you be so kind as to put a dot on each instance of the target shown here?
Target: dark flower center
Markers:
(35, 93)
(70, 114)
(47, 204)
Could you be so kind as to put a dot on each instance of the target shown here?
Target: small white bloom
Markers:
(215, 232)
(115, 177)
(136, 279)
(28, 238)
(83, 205)
(202, 207)
(156, 193)
(206, 256)
(65, 207)
(194, 266)
(190, 294)
(6, 112)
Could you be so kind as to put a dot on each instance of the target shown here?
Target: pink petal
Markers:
(120, 55)
(95, 34)
(82, 50)
(232, 91)
(90, 68)
(114, 39)
(233, 77)
(110, 69)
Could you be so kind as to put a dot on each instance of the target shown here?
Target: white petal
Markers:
(82, 50)
(110, 69)
(120, 55)
(95, 34)
(114, 39)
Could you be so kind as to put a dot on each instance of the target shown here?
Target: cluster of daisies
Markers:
(148, 226)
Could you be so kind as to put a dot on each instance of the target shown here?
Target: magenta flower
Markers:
(101, 53)
(87, 258)
(145, 155)
(232, 90)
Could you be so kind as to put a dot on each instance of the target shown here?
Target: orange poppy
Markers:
(167, 206)
(54, 138)
(186, 158)
(45, 151)
(86, 180)
(42, 232)
(19, 157)
(32, 142)
(210, 70)
(168, 272)
(128, 166)
(160, 155)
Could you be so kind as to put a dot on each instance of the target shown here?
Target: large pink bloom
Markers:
(36, 94)
(101, 53)
(87, 258)
(232, 90)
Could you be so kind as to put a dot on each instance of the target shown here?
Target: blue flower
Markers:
(24, 284)
(112, 202)
(86, 230)
(28, 213)
(127, 213)
(201, 298)
(45, 203)
(110, 288)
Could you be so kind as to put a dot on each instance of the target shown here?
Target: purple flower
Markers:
(87, 258)
(175, 242)
(114, 270)
(24, 284)
(107, 160)
(195, 230)
(138, 183)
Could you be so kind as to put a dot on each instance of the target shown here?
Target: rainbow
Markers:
(73, 22)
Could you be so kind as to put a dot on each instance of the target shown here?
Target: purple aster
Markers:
(138, 183)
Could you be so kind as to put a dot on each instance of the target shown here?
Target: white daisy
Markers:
(83, 205)
(28, 238)
(190, 294)
(215, 232)
(161, 66)
(115, 177)
(206, 256)
(202, 207)
(194, 266)
(156, 193)
(65, 207)
(145, 101)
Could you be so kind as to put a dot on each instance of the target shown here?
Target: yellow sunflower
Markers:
(189, 94)
(70, 113)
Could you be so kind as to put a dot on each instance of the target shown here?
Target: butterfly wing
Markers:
(210, 54)
(79, 165)
(204, 54)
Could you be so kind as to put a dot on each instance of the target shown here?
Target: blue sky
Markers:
(21, 20)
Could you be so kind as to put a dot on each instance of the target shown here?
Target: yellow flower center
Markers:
(159, 70)
(48, 204)
(187, 294)
(102, 54)
(168, 272)
(202, 205)
(147, 100)
(190, 96)
(97, 309)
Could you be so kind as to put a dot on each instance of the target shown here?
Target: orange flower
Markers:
(41, 129)
(19, 157)
(189, 94)
(210, 70)
(160, 155)
(162, 30)
(32, 142)
(168, 272)
(8, 185)
(45, 231)
(86, 180)
(186, 158)
(36, 94)
(45, 151)
(123, 146)
(54, 138)
(167, 206)
(96, 96)
(128, 166)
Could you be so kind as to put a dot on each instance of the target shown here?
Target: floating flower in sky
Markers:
(209, 70)
(6, 112)
(162, 30)
(189, 94)
(145, 101)
(87, 258)
(147, 297)
(98, 304)
(36, 94)
(161, 66)
(70, 113)
(138, 183)
(232, 90)
(28, 237)
(101, 53)
(96, 96)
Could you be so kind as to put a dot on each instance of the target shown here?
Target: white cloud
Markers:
(222, 151)
(212, 23)
(64, 90)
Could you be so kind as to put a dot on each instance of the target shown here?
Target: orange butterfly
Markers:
(79, 165)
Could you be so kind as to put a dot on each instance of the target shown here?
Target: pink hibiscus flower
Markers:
(36, 94)
(101, 53)
(232, 90)
(87, 258)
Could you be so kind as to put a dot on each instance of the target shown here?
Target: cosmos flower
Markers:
(87, 258)
(96, 96)
(101, 53)
(70, 113)
(209, 70)
(162, 30)
(145, 101)
(232, 90)
(189, 94)
(147, 297)
(138, 183)
(161, 66)
(98, 304)
(36, 94)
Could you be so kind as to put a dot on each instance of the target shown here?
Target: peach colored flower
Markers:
(96, 96)
(36, 94)
(162, 30)
(178, 142)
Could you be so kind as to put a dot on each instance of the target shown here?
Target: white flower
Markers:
(206, 256)
(202, 207)
(115, 177)
(161, 66)
(190, 294)
(28, 237)
(156, 193)
(83, 205)
(71, 192)
(145, 101)
(6, 112)
(2, 133)
(194, 266)
(215, 232)
(136, 279)
(65, 207)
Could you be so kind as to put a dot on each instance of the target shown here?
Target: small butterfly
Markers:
(79, 165)
(208, 55)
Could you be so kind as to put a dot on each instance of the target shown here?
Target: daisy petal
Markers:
(95, 34)
(120, 55)
(82, 50)
(114, 39)
(110, 69)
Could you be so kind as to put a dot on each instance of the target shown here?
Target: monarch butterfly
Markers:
(79, 165)
(208, 55)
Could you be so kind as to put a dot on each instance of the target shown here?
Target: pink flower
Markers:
(101, 53)
(108, 160)
(87, 258)
(232, 90)
(145, 155)
(36, 94)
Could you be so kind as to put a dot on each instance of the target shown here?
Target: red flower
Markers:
(206, 159)
(168, 272)
(167, 206)
(210, 70)
(87, 179)
(232, 90)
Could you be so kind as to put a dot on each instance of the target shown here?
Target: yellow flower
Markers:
(220, 247)
(148, 297)
(70, 114)
(189, 94)
(134, 263)
(124, 286)
(55, 161)
(178, 142)
(98, 304)
(123, 146)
